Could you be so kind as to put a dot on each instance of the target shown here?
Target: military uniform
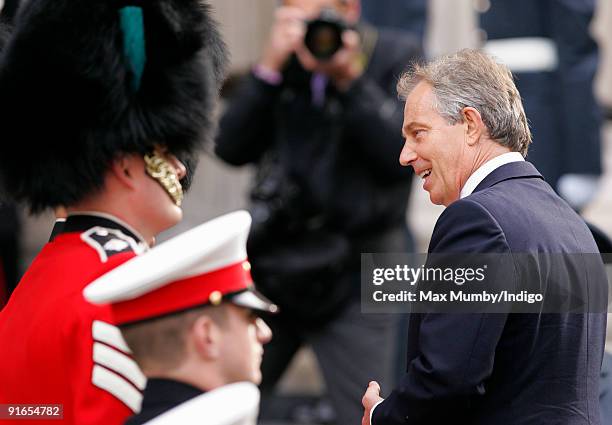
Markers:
(204, 266)
(407, 15)
(169, 402)
(548, 47)
(160, 396)
(92, 376)
(124, 82)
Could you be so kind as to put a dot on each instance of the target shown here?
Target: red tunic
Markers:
(55, 347)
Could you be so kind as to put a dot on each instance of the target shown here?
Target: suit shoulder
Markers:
(466, 208)
(467, 226)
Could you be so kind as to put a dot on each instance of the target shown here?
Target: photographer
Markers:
(320, 118)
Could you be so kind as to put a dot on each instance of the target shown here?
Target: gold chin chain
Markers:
(159, 169)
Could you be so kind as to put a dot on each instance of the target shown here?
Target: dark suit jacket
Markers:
(505, 368)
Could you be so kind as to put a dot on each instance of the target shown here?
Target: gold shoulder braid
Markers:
(369, 38)
(159, 169)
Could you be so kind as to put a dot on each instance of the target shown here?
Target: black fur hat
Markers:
(76, 90)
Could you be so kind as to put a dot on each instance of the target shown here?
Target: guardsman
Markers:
(548, 47)
(102, 102)
(189, 314)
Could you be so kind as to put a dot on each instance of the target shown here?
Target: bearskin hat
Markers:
(82, 82)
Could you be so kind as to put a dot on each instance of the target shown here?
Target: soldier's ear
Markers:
(124, 169)
(205, 337)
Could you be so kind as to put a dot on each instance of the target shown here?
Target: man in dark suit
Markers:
(466, 137)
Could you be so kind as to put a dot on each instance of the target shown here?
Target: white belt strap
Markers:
(527, 54)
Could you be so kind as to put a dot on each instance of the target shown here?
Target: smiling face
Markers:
(437, 151)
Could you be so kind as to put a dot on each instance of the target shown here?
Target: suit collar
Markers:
(487, 168)
(513, 170)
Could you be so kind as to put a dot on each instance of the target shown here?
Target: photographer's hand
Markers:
(286, 36)
(346, 66)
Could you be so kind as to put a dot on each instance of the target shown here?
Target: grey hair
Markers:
(470, 78)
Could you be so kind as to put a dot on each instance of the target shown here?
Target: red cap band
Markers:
(182, 294)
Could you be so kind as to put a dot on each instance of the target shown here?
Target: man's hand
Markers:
(370, 399)
(344, 67)
(286, 36)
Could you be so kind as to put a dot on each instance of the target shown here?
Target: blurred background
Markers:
(451, 25)
(447, 25)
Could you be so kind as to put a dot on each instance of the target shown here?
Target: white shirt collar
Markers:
(487, 168)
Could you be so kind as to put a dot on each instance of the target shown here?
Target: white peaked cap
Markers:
(204, 265)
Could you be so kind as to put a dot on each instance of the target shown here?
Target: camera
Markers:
(324, 34)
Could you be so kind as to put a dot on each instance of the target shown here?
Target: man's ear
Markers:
(475, 125)
(123, 169)
(205, 337)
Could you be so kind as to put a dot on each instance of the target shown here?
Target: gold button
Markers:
(215, 297)
(246, 266)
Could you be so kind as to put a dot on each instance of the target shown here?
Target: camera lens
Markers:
(324, 35)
